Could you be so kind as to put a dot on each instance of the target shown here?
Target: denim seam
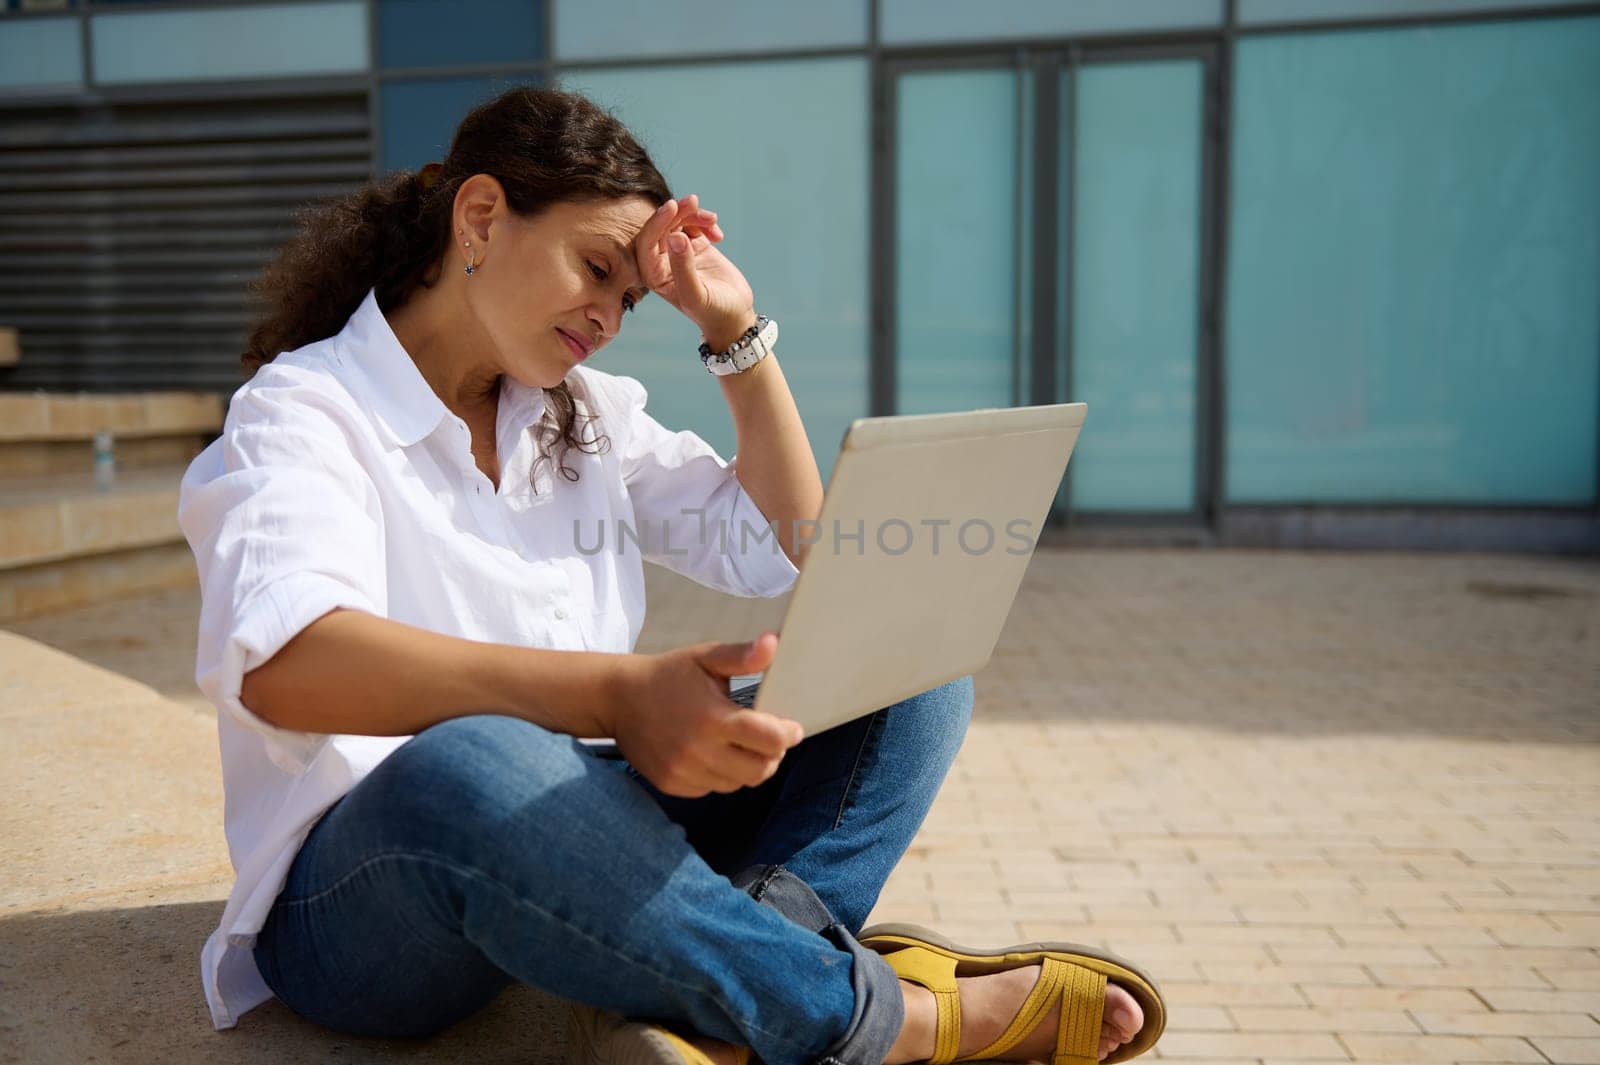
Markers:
(844, 799)
(516, 900)
(761, 886)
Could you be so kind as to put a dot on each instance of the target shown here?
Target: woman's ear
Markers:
(480, 201)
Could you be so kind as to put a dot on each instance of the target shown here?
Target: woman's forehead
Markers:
(618, 220)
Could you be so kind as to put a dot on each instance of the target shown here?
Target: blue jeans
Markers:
(488, 849)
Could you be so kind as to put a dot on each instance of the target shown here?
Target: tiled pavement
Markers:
(1343, 806)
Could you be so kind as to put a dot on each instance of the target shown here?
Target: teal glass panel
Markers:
(436, 33)
(1135, 188)
(923, 21)
(1414, 257)
(1323, 10)
(955, 241)
(617, 29)
(249, 41)
(41, 53)
(779, 151)
(420, 115)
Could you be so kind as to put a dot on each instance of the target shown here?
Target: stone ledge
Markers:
(45, 519)
(28, 591)
(116, 871)
(78, 416)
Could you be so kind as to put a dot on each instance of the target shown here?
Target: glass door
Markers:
(1049, 234)
(960, 334)
(1130, 263)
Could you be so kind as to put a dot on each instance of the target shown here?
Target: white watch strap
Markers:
(743, 356)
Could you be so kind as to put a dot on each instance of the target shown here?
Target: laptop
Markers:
(926, 529)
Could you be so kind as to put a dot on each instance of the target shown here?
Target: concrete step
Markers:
(78, 416)
(116, 871)
(65, 542)
(43, 519)
(45, 433)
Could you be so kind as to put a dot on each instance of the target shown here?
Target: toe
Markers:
(1122, 1014)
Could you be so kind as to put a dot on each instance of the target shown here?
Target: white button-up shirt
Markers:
(342, 480)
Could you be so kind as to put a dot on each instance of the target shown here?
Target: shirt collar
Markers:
(406, 406)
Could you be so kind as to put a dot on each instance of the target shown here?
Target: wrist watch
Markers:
(755, 345)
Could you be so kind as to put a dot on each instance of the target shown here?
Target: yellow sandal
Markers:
(604, 1038)
(1075, 973)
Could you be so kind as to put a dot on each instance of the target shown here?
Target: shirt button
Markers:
(561, 613)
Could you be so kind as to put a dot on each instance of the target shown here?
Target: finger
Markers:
(748, 768)
(649, 253)
(736, 659)
(657, 225)
(732, 768)
(761, 732)
(680, 252)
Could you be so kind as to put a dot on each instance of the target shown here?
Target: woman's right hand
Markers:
(673, 721)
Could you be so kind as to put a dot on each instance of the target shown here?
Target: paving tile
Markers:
(1541, 1001)
(1343, 996)
(1328, 796)
(1315, 1019)
(1519, 976)
(1440, 1048)
(1523, 1024)
(1570, 1051)
(1300, 1045)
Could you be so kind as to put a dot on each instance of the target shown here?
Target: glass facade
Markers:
(1390, 299)
(1135, 278)
(929, 21)
(956, 322)
(1412, 276)
(250, 41)
(1251, 11)
(420, 115)
(437, 33)
(41, 53)
(611, 29)
(779, 151)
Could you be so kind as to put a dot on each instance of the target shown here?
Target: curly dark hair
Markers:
(543, 145)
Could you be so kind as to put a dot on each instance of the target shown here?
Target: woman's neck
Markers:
(431, 334)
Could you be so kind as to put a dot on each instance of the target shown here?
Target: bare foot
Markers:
(988, 1005)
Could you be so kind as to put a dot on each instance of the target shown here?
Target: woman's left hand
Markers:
(678, 260)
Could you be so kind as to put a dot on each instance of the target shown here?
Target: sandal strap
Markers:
(1034, 1007)
(1081, 992)
(937, 973)
(1083, 1009)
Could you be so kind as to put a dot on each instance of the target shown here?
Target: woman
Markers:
(404, 646)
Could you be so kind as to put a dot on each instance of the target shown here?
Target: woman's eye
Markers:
(599, 274)
(627, 304)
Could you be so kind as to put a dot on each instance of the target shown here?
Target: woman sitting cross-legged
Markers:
(406, 640)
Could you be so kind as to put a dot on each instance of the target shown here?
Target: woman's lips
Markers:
(572, 345)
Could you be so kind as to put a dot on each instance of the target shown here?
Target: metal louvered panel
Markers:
(129, 232)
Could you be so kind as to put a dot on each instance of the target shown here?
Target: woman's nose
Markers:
(606, 322)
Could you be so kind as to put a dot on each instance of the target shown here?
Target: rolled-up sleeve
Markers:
(693, 515)
(285, 526)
